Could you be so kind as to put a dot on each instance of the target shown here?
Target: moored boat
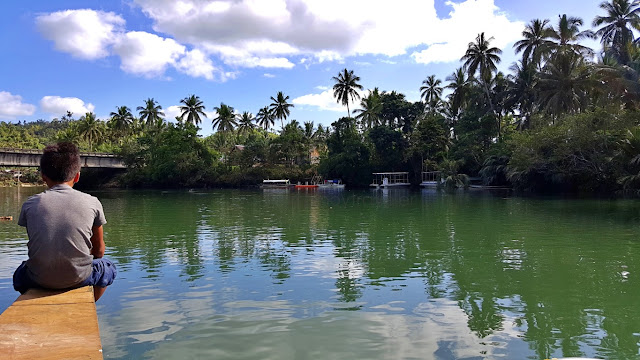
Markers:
(276, 184)
(390, 179)
(306, 186)
(331, 184)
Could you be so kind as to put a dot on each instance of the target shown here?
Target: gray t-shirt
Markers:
(59, 223)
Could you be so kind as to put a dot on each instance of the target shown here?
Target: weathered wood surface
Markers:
(43, 324)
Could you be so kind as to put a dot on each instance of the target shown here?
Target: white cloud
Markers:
(196, 64)
(12, 106)
(243, 31)
(85, 33)
(57, 105)
(451, 41)
(270, 76)
(252, 62)
(147, 54)
(322, 101)
(171, 112)
(275, 33)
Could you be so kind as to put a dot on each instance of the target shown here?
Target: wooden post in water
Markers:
(44, 324)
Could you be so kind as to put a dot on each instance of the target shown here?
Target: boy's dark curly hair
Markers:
(60, 162)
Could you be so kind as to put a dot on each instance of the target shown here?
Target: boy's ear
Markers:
(76, 178)
(44, 177)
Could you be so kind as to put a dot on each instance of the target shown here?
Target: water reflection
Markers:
(252, 274)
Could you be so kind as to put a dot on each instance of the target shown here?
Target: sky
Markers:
(97, 55)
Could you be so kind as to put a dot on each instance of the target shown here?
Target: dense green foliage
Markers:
(560, 121)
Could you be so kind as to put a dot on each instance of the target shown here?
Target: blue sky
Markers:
(96, 55)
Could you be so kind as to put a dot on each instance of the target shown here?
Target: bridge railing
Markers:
(39, 152)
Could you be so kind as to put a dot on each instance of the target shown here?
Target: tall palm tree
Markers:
(309, 129)
(346, 88)
(616, 34)
(567, 34)
(280, 107)
(264, 118)
(90, 129)
(460, 86)
(151, 112)
(565, 83)
(536, 43)
(431, 91)
(192, 108)
(483, 59)
(226, 119)
(371, 107)
(122, 119)
(245, 122)
(522, 91)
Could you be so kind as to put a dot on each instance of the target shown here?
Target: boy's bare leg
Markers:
(98, 291)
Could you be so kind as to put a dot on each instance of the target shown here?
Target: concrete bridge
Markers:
(31, 158)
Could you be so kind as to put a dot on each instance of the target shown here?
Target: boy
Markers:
(65, 232)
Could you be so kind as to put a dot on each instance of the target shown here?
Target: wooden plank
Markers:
(45, 324)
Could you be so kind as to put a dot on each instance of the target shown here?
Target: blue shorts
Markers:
(103, 274)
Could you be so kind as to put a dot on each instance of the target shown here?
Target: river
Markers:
(252, 274)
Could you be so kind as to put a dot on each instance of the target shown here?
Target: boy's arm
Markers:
(97, 241)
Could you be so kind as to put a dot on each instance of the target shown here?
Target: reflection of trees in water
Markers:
(13, 237)
(160, 229)
(553, 289)
(501, 260)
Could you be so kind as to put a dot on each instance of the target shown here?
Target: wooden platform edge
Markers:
(44, 324)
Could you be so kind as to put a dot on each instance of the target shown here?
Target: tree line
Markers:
(565, 118)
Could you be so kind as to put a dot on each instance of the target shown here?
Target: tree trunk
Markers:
(493, 110)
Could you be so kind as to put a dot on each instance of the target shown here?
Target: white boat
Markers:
(276, 184)
(331, 184)
(431, 179)
(390, 179)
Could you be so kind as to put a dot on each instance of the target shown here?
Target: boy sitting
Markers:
(65, 232)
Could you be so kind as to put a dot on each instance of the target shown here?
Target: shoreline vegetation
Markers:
(565, 118)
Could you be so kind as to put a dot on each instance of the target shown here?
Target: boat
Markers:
(276, 184)
(305, 186)
(431, 179)
(390, 179)
(331, 184)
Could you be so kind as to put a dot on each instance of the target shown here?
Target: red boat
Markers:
(300, 186)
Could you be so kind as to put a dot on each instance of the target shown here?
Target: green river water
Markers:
(252, 274)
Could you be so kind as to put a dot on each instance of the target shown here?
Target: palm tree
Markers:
(535, 44)
(245, 122)
(226, 119)
(280, 107)
(192, 108)
(567, 35)
(346, 88)
(371, 107)
(616, 34)
(89, 129)
(630, 154)
(564, 84)
(264, 118)
(122, 119)
(309, 129)
(431, 91)
(482, 58)
(150, 113)
(460, 86)
(522, 91)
